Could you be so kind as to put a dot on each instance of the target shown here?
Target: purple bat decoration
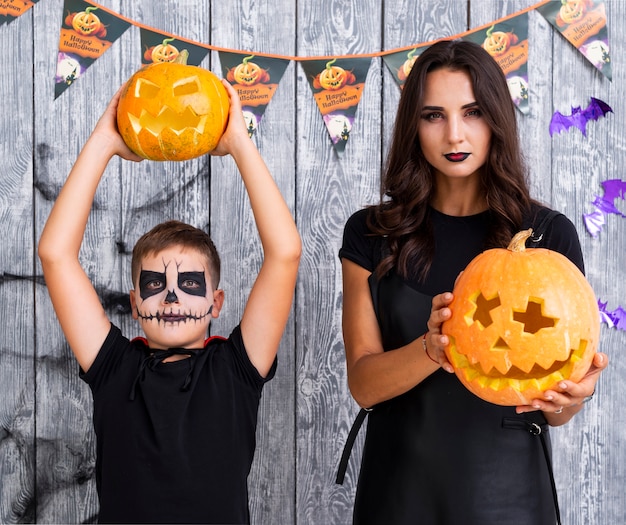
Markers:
(614, 318)
(579, 117)
(613, 189)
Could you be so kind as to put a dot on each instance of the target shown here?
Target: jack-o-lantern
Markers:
(172, 111)
(405, 69)
(522, 320)
(164, 52)
(572, 11)
(248, 73)
(333, 77)
(87, 23)
(496, 43)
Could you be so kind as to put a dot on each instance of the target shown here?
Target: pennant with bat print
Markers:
(579, 117)
(605, 205)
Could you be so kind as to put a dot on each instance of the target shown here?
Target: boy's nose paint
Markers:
(171, 297)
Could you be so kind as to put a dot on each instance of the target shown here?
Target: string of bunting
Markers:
(337, 82)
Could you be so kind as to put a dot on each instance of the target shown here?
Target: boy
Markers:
(175, 418)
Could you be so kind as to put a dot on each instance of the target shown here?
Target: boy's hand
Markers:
(236, 129)
(106, 129)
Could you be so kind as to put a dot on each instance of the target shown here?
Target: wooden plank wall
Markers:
(46, 441)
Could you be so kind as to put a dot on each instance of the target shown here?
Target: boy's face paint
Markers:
(174, 304)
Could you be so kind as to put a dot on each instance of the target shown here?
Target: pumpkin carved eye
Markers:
(522, 320)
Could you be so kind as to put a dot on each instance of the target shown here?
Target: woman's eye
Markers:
(432, 116)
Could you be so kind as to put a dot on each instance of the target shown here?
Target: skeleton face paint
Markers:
(173, 296)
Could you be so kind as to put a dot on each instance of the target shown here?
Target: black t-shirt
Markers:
(175, 441)
(437, 453)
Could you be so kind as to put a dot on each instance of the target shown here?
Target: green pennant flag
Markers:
(256, 78)
(507, 42)
(584, 25)
(87, 32)
(400, 63)
(337, 85)
(12, 9)
(161, 47)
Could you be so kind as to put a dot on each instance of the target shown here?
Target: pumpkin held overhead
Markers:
(522, 320)
(172, 111)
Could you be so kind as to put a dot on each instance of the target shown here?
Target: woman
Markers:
(454, 186)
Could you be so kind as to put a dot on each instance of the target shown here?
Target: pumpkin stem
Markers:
(90, 9)
(411, 53)
(490, 31)
(167, 41)
(518, 242)
(247, 59)
(329, 64)
(181, 58)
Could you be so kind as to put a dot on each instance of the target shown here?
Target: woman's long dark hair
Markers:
(408, 181)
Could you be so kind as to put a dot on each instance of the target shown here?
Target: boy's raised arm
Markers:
(73, 296)
(267, 309)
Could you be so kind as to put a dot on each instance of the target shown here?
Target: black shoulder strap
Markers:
(545, 216)
(347, 449)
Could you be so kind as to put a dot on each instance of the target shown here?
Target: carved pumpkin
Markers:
(87, 23)
(164, 52)
(408, 64)
(248, 73)
(172, 111)
(497, 42)
(333, 78)
(522, 320)
(572, 11)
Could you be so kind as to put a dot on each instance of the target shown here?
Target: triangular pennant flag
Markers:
(507, 42)
(583, 24)
(3, 11)
(400, 63)
(337, 85)
(255, 78)
(86, 34)
(12, 9)
(161, 47)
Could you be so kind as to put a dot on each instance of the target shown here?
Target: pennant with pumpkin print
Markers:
(337, 85)
(507, 42)
(400, 63)
(12, 9)
(161, 47)
(583, 24)
(87, 32)
(255, 78)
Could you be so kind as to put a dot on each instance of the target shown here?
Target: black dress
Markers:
(439, 455)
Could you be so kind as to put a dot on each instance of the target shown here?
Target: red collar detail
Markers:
(206, 341)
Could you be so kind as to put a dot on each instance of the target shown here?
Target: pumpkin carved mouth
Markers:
(167, 118)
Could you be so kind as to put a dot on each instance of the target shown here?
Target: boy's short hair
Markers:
(176, 233)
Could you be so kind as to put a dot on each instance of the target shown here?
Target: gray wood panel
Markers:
(17, 282)
(46, 440)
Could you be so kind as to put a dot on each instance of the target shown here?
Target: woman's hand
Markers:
(566, 399)
(434, 341)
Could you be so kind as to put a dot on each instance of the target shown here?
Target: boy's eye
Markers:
(192, 283)
(150, 283)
